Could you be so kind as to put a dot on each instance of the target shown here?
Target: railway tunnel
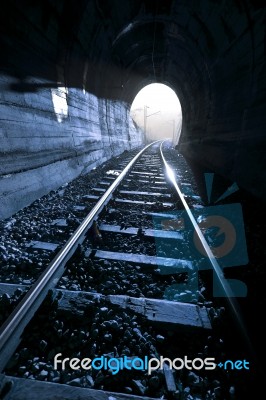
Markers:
(95, 56)
(70, 72)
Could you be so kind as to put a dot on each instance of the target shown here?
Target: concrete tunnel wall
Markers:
(225, 130)
(211, 53)
(38, 153)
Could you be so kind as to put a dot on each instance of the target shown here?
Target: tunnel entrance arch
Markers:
(156, 109)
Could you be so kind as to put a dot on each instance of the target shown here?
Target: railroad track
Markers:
(125, 272)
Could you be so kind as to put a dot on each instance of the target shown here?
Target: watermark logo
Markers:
(238, 364)
(223, 229)
(115, 365)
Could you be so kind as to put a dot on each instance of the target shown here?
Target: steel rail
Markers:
(12, 328)
(226, 289)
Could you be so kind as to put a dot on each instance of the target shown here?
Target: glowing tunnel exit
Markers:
(157, 111)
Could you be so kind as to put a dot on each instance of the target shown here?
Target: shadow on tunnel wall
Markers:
(61, 44)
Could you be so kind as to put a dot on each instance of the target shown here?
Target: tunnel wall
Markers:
(39, 154)
(225, 130)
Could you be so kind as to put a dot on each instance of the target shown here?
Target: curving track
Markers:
(129, 254)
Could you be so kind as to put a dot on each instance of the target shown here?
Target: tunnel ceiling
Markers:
(114, 49)
(210, 52)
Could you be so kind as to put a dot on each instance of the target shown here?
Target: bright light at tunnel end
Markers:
(156, 109)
